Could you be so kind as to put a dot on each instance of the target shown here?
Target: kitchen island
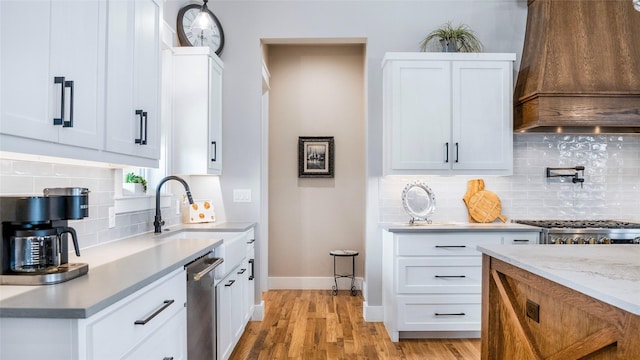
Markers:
(560, 302)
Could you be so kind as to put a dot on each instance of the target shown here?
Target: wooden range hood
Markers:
(580, 68)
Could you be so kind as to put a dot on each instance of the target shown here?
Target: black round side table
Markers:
(352, 275)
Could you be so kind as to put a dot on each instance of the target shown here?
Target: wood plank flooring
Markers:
(313, 324)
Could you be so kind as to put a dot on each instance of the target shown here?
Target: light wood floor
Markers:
(313, 324)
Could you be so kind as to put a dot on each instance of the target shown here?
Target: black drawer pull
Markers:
(241, 271)
(167, 358)
(451, 246)
(69, 123)
(451, 276)
(251, 241)
(520, 240)
(450, 314)
(214, 151)
(230, 283)
(251, 276)
(446, 152)
(165, 305)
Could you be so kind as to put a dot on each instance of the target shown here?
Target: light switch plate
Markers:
(241, 195)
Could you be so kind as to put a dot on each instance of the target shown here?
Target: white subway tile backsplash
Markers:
(18, 177)
(611, 189)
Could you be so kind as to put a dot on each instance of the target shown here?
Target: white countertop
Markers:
(116, 270)
(420, 226)
(609, 273)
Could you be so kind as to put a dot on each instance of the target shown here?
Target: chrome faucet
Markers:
(158, 222)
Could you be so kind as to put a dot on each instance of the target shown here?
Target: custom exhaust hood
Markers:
(580, 68)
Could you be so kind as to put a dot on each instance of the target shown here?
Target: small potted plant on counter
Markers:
(134, 184)
(453, 39)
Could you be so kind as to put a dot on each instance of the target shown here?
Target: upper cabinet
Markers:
(133, 78)
(50, 71)
(71, 83)
(197, 112)
(448, 113)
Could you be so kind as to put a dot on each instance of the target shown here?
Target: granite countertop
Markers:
(421, 226)
(116, 270)
(609, 273)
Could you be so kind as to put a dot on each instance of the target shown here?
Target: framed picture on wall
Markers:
(315, 156)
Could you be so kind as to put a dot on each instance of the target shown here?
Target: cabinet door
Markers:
(62, 39)
(78, 53)
(225, 304)
(481, 115)
(215, 118)
(25, 85)
(197, 112)
(420, 114)
(133, 75)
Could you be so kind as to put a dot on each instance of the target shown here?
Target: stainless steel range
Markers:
(586, 231)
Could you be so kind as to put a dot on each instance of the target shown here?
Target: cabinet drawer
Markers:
(444, 244)
(439, 313)
(521, 238)
(113, 332)
(169, 341)
(439, 275)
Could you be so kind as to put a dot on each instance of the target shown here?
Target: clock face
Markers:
(189, 35)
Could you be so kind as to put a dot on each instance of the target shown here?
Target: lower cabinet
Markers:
(235, 295)
(148, 324)
(432, 280)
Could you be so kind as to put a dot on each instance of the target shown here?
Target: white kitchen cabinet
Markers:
(111, 333)
(43, 42)
(432, 280)
(197, 112)
(235, 292)
(448, 113)
(133, 78)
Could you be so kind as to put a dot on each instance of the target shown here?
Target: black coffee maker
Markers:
(35, 236)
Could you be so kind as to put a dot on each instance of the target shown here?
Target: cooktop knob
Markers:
(578, 240)
(636, 240)
(604, 240)
(591, 240)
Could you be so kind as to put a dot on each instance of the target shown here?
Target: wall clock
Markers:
(190, 35)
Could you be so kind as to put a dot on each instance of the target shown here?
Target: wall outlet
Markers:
(533, 311)
(241, 195)
(112, 217)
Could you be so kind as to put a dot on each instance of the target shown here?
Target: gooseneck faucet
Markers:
(158, 222)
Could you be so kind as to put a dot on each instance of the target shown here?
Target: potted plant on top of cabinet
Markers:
(453, 39)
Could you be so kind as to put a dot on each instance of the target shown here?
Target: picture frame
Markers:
(315, 157)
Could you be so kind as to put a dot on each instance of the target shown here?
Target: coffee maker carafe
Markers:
(35, 236)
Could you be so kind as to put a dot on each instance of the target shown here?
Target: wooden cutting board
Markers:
(473, 186)
(485, 207)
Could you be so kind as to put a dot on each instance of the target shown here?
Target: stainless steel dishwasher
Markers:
(201, 307)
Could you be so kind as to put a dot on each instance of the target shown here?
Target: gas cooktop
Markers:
(580, 224)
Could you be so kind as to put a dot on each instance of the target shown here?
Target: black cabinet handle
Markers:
(456, 152)
(69, 84)
(450, 314)
(139, 113)
(215, 151)
(251, 241)
(251, 276)
(230, 283)
(451, 246)
(242, 271)
(60, 80)
(146, 125)
(451, 276)
(165, 305)
(520, 240)
(167, 358)
(446, 152)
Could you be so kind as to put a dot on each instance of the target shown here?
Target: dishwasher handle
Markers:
(208, 269)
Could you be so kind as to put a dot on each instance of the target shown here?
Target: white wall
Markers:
(386, 26)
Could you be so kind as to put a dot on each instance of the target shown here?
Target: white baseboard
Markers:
(311, 283)
(258, 312)
(372, 313)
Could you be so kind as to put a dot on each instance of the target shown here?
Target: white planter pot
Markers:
(133, 189)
